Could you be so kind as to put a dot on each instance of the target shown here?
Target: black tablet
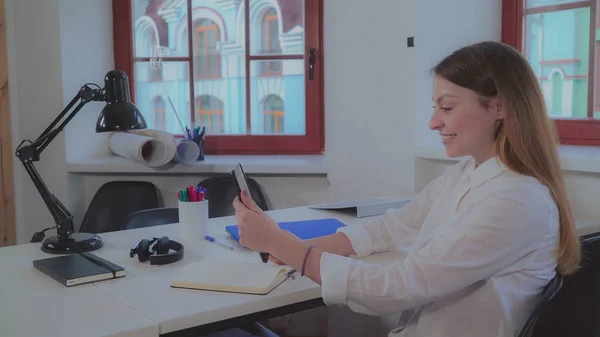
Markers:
(241, 184)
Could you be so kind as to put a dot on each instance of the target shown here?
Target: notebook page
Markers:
(228, 275)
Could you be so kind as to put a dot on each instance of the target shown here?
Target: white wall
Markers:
(54, 48)
(87, 55)
(86, 43)
(35, 82)
(442, 27)
(369, 97)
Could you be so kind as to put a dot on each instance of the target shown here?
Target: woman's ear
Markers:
(496, 108)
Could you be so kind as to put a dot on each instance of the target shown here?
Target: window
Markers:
(159, 113)
(270, 43)
(242, 60)
(558, 38)
(273, 115)
(148, 45)
(210, 113)
(206, 35)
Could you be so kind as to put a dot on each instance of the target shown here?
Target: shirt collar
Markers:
(484, 172)
(487, 170)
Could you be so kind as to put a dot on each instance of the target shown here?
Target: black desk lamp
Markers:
(119, 114)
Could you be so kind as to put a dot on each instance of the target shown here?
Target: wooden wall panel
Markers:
(7, 197)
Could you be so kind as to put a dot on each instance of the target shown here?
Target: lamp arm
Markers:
(30, 153)
(62, 217)
(86, 95)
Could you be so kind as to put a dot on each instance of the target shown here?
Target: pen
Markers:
(202, 132)
(211, 239)
(192, 193)
(189, 133)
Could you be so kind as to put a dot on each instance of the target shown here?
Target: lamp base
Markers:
(76, 243)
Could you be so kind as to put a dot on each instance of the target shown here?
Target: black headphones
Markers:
(145, 250)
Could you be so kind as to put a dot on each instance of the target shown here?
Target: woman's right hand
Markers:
(337, 243)
(278, 261)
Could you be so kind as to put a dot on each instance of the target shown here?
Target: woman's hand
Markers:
(275, 260)
(256, 229)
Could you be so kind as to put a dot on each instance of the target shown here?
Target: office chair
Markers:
(574, 311)
(221, 190)
(551, 289)
(114, 200)
(150, 217)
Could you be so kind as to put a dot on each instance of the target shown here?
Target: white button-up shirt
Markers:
(480, 246)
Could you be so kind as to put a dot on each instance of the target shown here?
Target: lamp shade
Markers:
(119, 114)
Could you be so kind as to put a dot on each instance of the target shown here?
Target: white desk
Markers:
(147, 288)
(33, 304)
(143, 303)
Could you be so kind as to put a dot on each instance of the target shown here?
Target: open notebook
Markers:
(231, 276)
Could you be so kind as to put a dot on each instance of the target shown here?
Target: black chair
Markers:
(114, 201)
(151, 217)
(574, 311)
(221, 190)
(551, 289)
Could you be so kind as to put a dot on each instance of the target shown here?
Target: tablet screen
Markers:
(240, 178)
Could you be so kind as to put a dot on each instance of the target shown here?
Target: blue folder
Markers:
(305, 229)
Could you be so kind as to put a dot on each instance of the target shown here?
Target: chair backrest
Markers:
(551, 289)
(151, 217)
(221, 190)
(114, 200)
(574, 311)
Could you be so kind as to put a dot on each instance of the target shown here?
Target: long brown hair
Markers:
(526, 139)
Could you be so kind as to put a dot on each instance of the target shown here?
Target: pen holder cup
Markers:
(201, 146)
(193, 219)
(188, 151)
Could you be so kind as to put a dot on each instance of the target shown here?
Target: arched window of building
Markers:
(274, 113)
(209, 112)
(151, 49)
(206, 57)
(270, 43)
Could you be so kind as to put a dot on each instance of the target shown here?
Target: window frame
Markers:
(312, 142)
(571, 131)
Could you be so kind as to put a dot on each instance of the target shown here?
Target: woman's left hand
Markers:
(256, 229)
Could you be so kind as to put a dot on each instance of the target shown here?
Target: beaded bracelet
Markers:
(305, 259)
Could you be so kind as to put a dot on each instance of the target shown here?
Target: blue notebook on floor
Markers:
(305, 229)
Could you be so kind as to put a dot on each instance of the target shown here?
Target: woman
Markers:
(483, 239)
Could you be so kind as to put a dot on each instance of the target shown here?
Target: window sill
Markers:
(253, 164)
(573, 157)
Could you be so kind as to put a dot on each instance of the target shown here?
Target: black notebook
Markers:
(74, 269)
